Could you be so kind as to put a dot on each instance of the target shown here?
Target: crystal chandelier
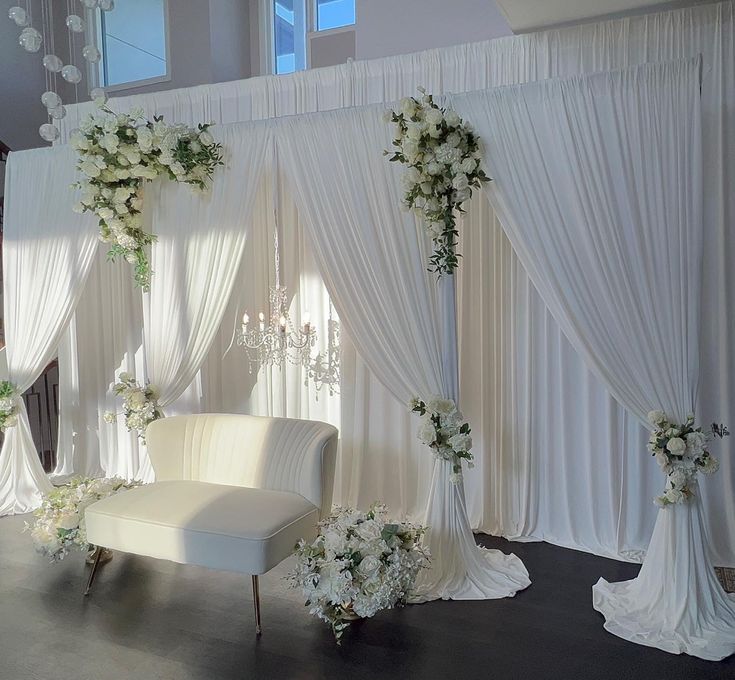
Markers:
(324, 369)
(278, 340)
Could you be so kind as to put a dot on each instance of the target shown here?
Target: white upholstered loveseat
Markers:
(232, 492)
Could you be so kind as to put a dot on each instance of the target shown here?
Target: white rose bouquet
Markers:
(680, 452)
(442, 428)
(140, 404)
(8, 407)
(59, 522)
(117, 153)
(443, 158)
(359, 564)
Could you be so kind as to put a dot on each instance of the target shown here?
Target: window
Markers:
(334, 14)
(289, 35)
(294, 20)
(133, 42)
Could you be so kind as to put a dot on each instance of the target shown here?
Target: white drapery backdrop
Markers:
(199, 245)
(544, 472)
(45, 267)
(373, 259)
(599, 189)
(535, 478)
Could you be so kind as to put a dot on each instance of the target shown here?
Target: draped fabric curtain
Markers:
(541, 472)
(47, 255)
(195, 260)
(373, 260)
(599, 188)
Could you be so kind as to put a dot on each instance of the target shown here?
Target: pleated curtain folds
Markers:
(47, 254)
(200, 239)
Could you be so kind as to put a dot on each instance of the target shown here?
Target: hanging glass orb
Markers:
(106, 5)
(30, 39)
(71, 74)
(75, 23)
(97, 93)
(58, 113)
(91, 53)
(49, 132)
(52, 63)
(89, 4)
(50, 100)
(18, 15)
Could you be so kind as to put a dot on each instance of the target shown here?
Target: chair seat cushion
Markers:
(219, 526)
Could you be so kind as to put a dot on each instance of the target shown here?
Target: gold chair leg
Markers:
(256, 604)
(95, 564)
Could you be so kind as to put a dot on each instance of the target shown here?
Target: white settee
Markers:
(232, 492)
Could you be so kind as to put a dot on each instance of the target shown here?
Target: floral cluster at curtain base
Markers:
(8, 405)
(140, 404)
(59, 524)
(680, 452)
(117, 154)
(359, 564)
(443, 158)
(444, 430)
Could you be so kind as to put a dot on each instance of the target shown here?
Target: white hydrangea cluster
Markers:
(117, 153)
(442, 428)
(359, 564)
(140, 404)
(680, 452)
(8, 405)
(59, 523)
(443, 156)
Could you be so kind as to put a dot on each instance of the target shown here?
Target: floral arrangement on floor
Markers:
(140, 404)
(8, 408)
(359, 564)
(117, 153)
(59, 522)
(443, 156)
(442, 428)
(681, 453)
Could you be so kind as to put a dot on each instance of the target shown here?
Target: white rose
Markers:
(104, 213)
(444, 407)
(145, 137)
(369, 566)
(460, 182)
(427, 432)
(408, 107)
(434, 117)
(662, 459)
(110, 142)
(469, 165)
(177, 168)
(11, 420)
(675, 496)
(122, 173)
(461, 442)
(414, 131)
(452, 119)
(453, 139)
(462, 195)
(206, 138)
(89, 168)
(69, 521)
(711, 465)
(676, 445)
(656, 417)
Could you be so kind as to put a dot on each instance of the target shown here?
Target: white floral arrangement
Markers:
(443, 156)
(140, 404)
(59, 524)
(8, 405)
(359, 564)
(680, 452)
(117, 154)
(444, 430)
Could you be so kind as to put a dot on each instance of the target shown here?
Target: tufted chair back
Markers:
(281, 454)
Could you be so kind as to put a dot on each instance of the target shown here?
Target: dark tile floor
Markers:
(150, 620)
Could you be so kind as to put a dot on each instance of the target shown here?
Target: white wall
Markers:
(389, 27)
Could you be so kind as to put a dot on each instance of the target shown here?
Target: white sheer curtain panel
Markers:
(195, 260)
(598, 183)
(47, 253)
(373, 260)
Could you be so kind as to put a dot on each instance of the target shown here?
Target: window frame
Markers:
(93, 34)
(266, 36)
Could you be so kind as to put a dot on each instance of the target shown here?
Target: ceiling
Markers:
(523, 15)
